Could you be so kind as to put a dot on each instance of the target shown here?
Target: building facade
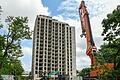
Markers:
(54, 49)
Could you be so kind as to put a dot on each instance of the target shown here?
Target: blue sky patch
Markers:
(26, 43)
(53, 5)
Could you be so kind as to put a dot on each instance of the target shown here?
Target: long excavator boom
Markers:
(91, 48)
(87, 32)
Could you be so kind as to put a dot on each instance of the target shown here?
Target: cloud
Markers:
(29, 8)
(26, 43)
(27, 58)
(27, 51)
(26, 62)
(68, 9)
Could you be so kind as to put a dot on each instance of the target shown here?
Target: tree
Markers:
(105, 56)
(10, 48)
(85, 72)
(111, 26)
(12, 68)
(110, 51)
(111, 31)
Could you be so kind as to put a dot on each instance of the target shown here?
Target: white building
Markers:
(54, 48)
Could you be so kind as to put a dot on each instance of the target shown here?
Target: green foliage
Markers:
(105, 54)
(18, 28)
(108, 75)
(12, 68)
(10, 48)
(111, 26)
(84, 72)
(111, 33)
(110, 51)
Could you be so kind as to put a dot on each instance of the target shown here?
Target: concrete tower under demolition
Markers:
(54, 49)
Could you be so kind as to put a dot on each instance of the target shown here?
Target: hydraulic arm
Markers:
(87, 32)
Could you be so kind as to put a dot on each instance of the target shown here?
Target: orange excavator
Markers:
(87, 32)
(91, 48)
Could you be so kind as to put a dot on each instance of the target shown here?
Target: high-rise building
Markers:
(54, 49)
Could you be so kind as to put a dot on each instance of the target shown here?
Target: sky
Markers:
(65, 11)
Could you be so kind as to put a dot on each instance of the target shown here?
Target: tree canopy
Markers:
(110, 51)
(10, 43)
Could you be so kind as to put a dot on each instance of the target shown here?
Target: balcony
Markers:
(41, 44)
(49, 49)
(63, 58)
(41, 48)
(56, 37)
(63, 55)
(42, 27)
(42, 30)
(50, 30)
(49, 38)
(49, 45)
(56, 33)
(41, 34)
(49, 57)
(40, 56)
(56, 55)
(40, 60)
(63, 51)
(56, 50)
(49, 34)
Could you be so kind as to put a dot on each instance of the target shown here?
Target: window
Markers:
(37, 55)
(45, 64)
(40, 64)
(35, 72)
(63, 25)
(45, 56)
(40, 56)
(37, 47)
(40, 68)
(60, 50)
(42, 19)
(36, 64)
(36, 59)
(37, 36)
(45, 68)
(36, 51)
(36, 68)
(40, 60)
(60, 24)
(37, 44)
(38, 18)
(37, 32)
(45, 38)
